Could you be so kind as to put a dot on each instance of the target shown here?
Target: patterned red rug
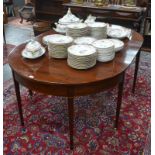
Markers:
(46, 120)
(7, 48)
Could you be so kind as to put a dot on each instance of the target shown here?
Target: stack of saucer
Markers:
(81, 56)
(118, 44)
(77, 30)
(105, 50)
(58, 44)
(84, 40)
(98, 30)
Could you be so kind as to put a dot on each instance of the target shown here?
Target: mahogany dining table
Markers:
(54, 77)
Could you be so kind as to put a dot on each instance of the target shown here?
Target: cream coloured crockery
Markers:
(77, 30)
(84, 40)
(105, 50)
(118, 44)
(45, 39)
(77, 26)
(61, 26)
(90, 19)
(81, 50)
(97, 24)
(104, 43)
(61, 31)
(33, 55)
(58, 44)
(98, 30)
(117, 31)
(60, 39)
(33, 46)
(81, 56)
(68, 18)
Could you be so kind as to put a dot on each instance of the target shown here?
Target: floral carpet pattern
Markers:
(46, 129)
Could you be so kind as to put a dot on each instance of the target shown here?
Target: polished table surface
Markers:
(55, 77)
(57, 72)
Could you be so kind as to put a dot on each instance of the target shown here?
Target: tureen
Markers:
(67, 19)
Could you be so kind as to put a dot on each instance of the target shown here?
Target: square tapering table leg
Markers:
(17, 90)
(119, 100)
(136, 71)
(71, 120)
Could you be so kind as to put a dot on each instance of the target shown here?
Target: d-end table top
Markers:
(56, 71)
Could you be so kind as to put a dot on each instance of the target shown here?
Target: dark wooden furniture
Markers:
(55, 77)
(49, 10)
(27, 12)
(113, 14)
(41, 27)
(147, 28)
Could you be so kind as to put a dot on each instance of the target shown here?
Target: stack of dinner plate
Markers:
(46, 38)
(81, 56)
(98, 30)
(77, 30)
(105, 50)
(58, 44)
(118, 44)
(84, 40)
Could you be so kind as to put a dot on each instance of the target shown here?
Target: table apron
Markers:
(64, 90)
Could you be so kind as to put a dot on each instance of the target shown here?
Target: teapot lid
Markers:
(68, 18)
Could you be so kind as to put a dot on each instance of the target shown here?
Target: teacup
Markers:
(33, 46)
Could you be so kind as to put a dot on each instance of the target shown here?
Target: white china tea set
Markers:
(79, 39)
